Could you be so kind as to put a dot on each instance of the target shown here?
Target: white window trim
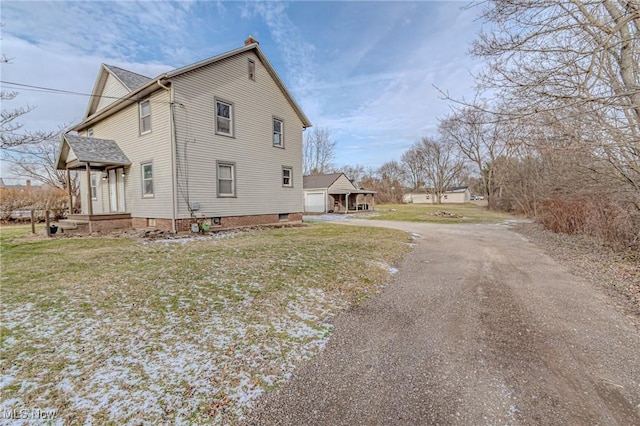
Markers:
(273, 132)
(233, 179)
(90, 132)
(231, 117)
(290, 184)
(142, 166)
(251, 69)
(94, 184)
(142, 117)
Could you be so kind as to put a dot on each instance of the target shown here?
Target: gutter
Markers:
(172, 127)
(130, 99)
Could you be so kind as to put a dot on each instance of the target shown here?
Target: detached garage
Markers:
(335, 193)
(315, 202)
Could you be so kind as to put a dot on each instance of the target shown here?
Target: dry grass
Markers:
(470, 213)
(119, 330)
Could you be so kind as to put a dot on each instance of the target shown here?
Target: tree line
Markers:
(554, 129)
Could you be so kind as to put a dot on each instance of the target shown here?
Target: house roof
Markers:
(154, 84)
(320, 181)
(90, 150)
(424, 190)
(129, 79)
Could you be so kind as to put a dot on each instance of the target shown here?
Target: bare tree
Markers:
(11, 131)
(355, 172)
(441, 165)
(37, 161)
(413, 167)
(392, 176)
(318, 151)
(568, 59)
(391, 170)
(482, 140)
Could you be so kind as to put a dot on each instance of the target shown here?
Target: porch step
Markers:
(68, 226)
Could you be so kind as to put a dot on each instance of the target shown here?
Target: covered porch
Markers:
(352, 201)
(102, 168)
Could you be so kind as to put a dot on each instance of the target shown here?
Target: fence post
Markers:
(33, 222)
(46, 222)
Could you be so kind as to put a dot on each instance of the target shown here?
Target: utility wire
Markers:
(31, 88)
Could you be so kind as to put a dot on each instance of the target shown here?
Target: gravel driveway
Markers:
(478, 327)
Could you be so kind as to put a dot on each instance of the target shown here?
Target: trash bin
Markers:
(53, 229)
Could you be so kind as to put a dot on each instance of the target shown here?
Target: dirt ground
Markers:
(479, 326)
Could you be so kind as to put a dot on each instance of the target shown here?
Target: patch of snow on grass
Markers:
(168, 365)
(390, 269)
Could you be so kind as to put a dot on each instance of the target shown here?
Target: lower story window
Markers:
(94, 186)
(226, 179)
(147, 180)
(287, 176)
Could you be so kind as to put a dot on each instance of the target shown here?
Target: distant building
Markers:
(457, 195)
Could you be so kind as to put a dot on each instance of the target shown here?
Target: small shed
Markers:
(335, 193)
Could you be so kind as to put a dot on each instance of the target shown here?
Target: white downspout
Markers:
(172, 130)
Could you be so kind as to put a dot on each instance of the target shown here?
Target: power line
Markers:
(32, 88)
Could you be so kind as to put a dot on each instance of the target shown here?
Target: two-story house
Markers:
(218, 141)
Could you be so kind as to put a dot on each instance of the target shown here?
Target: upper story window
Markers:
(147, 180)
(90, 133)
(224, 118)
(145, 117)
(287, 176)
(278, 133)
(252, 70)
(226, 179)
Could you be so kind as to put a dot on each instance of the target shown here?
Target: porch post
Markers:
(89, 202)
(69, 191)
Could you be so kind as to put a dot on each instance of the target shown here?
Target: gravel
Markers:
(591, 259)
(479, 326)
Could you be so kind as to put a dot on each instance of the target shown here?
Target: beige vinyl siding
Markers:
(258, 164)
(102, 194)
(422, 198)
(71, 156)
(113, 89)
(123, 127)
(342, 183)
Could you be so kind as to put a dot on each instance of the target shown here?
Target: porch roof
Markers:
(350, 191)
(98, 152)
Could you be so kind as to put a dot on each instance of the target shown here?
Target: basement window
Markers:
(283, 216)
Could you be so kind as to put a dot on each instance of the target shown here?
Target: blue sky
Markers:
(366, 70)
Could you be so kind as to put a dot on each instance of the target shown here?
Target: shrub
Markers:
(614, 221)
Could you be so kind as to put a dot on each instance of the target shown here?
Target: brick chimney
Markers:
(250, 40)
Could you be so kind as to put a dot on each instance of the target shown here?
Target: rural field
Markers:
(123, 330)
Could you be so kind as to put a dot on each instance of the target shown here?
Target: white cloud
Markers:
(298, 54)
(365, 70)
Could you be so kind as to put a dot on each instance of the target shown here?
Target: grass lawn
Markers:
(471, 213)
(122, 330)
